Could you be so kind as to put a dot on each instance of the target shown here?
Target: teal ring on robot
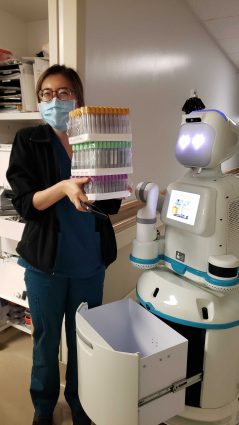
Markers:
(211, 282)
(143, 263)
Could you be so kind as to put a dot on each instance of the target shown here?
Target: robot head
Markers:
(206, 139)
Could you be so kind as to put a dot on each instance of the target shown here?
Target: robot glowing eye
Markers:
(197, 141)
(184, 141)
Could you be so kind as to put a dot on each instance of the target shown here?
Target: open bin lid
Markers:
(120, 351)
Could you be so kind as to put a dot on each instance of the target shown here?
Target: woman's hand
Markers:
(74, 189)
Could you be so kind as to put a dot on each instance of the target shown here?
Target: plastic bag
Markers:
(6, 56)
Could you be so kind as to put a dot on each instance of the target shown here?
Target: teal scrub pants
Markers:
(50, 298)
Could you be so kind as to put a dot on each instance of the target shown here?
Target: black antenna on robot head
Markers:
(194, 103)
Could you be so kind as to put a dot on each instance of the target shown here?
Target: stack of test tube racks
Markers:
(101, 142)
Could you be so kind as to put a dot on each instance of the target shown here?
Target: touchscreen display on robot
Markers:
(183, 206)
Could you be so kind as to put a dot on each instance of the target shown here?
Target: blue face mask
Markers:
(56, 112)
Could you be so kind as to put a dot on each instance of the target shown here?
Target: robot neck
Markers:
(206, 172)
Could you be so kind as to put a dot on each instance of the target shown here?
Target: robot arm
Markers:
(146, 246)
(146, 217)
(146, 190)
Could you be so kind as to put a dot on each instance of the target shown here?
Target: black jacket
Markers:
(33, 167)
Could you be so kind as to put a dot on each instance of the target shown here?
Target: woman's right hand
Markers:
(74, 189)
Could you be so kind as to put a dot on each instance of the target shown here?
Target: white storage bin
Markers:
(125, 354)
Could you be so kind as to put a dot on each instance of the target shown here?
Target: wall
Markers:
(37, 36)
(121, 276)
(13, 34)
(22, 38)
(149, 54)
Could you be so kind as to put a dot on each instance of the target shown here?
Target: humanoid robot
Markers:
(191, 278)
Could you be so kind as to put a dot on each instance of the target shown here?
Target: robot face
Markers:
(194, 145)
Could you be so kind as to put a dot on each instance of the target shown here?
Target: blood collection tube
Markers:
(69, 126)
(73, 161)
(97, 120)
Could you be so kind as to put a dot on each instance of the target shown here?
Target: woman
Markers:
(64, 249)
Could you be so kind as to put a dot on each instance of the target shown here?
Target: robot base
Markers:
(213, 340)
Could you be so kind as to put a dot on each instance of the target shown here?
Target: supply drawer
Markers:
(124, 355)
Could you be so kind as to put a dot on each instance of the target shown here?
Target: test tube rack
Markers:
(101, 141)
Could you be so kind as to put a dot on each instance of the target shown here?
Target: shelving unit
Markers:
(19, 116)
(11, 122)
(13, 294)
(21, 328)
(12, 286)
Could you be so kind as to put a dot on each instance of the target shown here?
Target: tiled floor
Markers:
(15, 369)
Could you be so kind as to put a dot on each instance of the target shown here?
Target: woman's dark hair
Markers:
(68, 73)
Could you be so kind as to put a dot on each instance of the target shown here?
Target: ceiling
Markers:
(221, 19)
(27, 10)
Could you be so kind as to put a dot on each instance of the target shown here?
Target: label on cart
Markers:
(180, 256)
